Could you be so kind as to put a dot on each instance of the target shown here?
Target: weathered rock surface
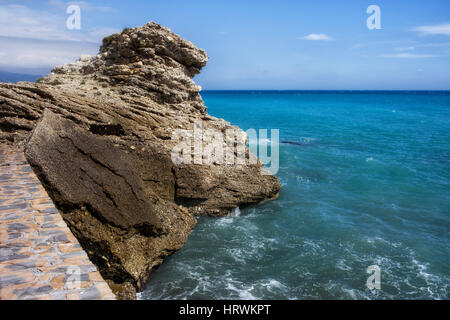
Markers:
(98, 134)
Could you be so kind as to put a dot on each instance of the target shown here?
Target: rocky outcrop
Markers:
(98, 134)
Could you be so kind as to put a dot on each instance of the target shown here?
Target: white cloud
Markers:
(381, 43)
(439, 29)
(22, 22)
(316, 37)
(39, 40)
(400, 44)
(436, 45)
(19, 21)
(100, 33)
(405, 49)
(23, 54)
(84, 5)
(409, 56)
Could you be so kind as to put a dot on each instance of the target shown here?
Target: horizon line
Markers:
(442, 90)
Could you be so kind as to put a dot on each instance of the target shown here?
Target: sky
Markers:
(279, 45)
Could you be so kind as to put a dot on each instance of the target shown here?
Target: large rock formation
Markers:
(98, 134)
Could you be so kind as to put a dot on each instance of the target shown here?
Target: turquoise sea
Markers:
(369, 185)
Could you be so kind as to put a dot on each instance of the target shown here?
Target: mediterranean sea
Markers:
(365, 182)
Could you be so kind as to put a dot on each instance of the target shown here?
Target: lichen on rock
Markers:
(98, 134)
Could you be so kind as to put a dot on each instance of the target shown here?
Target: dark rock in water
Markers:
(296, 143)
(98, 134)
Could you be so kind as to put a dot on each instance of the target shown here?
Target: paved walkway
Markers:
(39, 256)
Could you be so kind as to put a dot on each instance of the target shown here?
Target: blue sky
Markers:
(252, 44)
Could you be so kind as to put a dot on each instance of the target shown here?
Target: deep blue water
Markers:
(370, 186)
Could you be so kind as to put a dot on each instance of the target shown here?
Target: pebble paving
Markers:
(40, 259)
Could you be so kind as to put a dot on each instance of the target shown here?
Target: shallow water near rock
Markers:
(368, 184)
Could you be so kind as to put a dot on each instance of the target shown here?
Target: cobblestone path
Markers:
(39, 256)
